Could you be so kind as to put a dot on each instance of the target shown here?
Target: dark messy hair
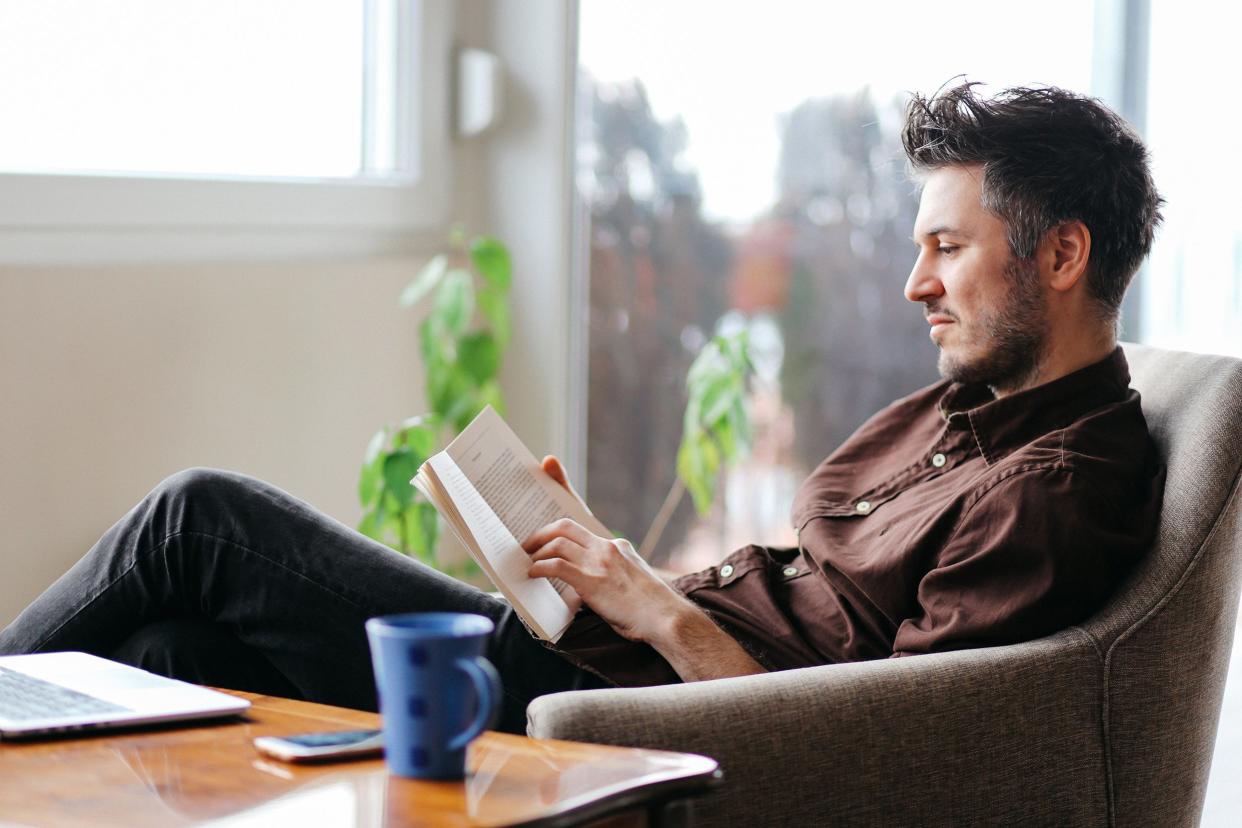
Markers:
(1049, 156)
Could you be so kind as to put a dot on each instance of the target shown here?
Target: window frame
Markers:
(53, 218)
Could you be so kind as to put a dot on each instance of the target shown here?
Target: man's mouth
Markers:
(939, 322)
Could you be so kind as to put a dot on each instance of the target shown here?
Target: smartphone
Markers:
(322, 747)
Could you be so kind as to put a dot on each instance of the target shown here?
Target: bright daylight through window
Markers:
(277, 89)
(761, 184)
(748, 174)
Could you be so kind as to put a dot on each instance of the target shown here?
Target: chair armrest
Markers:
(942, 739)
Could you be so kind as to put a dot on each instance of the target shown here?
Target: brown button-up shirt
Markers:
(950, 519)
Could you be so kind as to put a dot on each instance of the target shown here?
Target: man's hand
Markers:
(556, 471)
(609, 575)
(632, 597)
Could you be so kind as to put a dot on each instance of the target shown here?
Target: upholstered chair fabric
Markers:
(1111, 722)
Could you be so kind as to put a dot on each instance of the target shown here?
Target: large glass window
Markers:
(749, 173)
(188, 87)
(172, 125)
(200, 87)
(1191, 295)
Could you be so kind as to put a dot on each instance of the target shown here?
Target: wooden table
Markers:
(211, 774)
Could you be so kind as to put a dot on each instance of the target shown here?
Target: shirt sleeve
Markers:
(1035, 553)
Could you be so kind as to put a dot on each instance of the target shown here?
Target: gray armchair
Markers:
(1110, 722)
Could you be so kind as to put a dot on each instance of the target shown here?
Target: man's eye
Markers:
(948, 249)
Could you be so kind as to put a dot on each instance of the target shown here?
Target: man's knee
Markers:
(198, 483)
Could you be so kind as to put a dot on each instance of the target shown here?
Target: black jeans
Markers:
(221, 579)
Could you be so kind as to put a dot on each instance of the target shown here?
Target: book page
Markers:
(545, 606)
(511, 481)
(499, 495)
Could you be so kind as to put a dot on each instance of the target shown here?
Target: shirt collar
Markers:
(1002, 425)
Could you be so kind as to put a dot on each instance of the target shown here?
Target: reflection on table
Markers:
(212, 775)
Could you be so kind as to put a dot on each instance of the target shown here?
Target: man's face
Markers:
(986, 308)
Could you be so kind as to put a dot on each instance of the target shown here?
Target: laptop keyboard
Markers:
(24, 697)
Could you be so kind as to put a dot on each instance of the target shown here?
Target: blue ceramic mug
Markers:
(436, 690)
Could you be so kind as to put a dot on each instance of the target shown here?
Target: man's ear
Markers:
(1068, 248)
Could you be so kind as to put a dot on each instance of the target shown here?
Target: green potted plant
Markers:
(716, 429)
(462, 341)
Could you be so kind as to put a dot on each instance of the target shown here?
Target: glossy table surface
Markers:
(211, 774)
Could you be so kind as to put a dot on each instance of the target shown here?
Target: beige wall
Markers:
(114, 377)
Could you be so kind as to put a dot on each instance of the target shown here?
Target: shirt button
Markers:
(726, 570)
(790, 571)
(863, 507)
(938, 460)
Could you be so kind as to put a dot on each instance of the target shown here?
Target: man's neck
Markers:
(1063, 356)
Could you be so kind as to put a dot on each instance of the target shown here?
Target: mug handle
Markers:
(487, 687)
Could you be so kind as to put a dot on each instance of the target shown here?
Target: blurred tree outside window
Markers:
(750, 175)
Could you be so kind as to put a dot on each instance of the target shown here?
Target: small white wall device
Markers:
(480, 91)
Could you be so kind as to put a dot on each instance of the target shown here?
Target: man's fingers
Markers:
(555, 470)
(563, 528)
(559, 548)
(552, 568)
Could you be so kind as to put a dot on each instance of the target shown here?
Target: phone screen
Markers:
(318, 740)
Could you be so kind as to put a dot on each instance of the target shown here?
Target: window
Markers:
(739, 166)
(223, 115)
(752, 175)
(1191, 290)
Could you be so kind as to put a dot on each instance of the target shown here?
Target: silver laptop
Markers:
(58, 692)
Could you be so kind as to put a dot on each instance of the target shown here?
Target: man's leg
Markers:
(279, 577)
(203, 652)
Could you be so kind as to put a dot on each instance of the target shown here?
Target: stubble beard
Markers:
(1013, 338)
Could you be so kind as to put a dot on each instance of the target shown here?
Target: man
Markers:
(999, 505)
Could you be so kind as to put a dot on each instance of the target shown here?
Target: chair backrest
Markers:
(1166, 635)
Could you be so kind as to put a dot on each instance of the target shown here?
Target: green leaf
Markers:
(426, 420)
(378, 517)
(375, 446)
(691, 422)
(367, 526)
(419, 437)
(697, 464)
(454, 303)
(372, 468)
(448, 387)
(726, 438)
(425, 281)
(716, 426)
(430, 520)
(464, 409)
(428, 339)
(739, 422)
(369, 482)
(703, 367)
(479, 356)
(490, 394)
(416, 544)
(388, 521)
(495, 308)
(491, 258)
(717, 397)
(399, 467)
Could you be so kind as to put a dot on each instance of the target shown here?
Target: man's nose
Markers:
(923, 283)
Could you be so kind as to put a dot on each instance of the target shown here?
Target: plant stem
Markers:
(402, 537)
(662, 518)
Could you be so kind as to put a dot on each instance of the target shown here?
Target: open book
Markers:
(493, 493)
